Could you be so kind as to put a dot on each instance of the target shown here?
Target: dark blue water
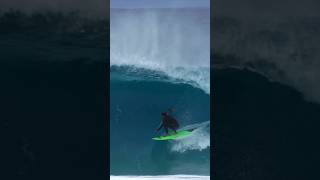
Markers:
(53, 88)
(262, 129)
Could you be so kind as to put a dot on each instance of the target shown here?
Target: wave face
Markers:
(135, 106)
(159, 59)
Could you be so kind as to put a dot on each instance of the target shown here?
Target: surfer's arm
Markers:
(160, 126)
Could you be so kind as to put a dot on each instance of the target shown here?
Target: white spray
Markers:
(175, 42)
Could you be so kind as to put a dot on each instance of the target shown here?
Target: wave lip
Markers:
(198, 77)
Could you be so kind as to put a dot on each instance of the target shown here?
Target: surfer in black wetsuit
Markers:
(168, 122)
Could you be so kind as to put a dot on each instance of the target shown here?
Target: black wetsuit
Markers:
(169, 122)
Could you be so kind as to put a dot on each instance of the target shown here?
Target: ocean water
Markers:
(159, 59)
(53, 79)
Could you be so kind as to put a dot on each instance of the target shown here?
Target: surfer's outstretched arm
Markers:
(161, 125)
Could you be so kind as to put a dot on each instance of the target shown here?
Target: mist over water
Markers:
(175, 42)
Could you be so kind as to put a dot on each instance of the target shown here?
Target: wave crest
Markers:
(172, 43)
(196, 77)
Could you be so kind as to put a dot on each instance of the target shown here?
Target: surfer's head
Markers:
(163, 114)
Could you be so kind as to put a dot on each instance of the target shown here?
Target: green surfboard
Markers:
(182, 133)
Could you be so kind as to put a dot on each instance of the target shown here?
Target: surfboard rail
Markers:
(180, 134)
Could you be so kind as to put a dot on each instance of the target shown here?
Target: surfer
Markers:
(168, 122)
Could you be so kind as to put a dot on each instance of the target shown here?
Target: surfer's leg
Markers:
(174, 129)
(174, 126)
(166, 129)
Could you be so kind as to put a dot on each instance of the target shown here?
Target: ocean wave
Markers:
(284, 50)
(158, 59)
